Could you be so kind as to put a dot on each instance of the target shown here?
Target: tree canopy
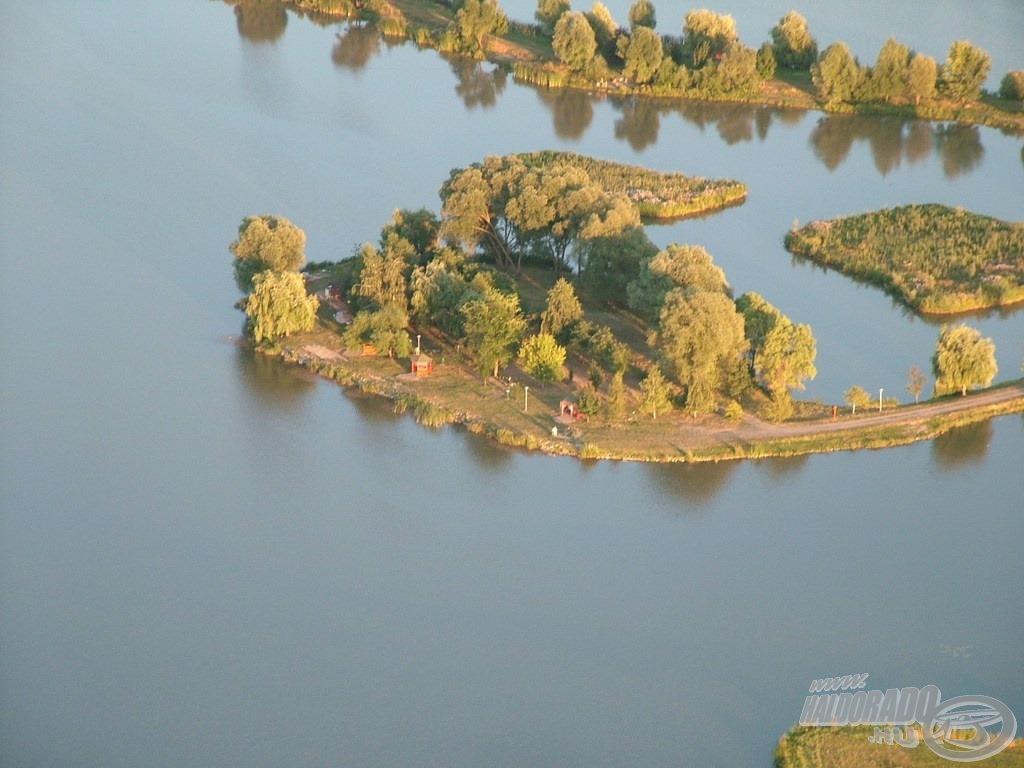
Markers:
(792, 43)
(964, 72)
(699, 338)
(279, 306)
(836, 74)
(963, 360)
(266, 242)
(494, 325)
(574, 43)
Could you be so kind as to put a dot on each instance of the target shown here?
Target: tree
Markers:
(836, 75)
(641, 14)
(735, 72)
(604, 26)
(922, 76)
(382, 278)
(786, 358)
(611, 262)
(475, 21)
(549, 12)
(1012, 85)
(889, 77)
(707, 35)
(642, 54)
(494, 325)
(615, 404)
(384, 329)
(279, 306)
(574, 42)
(855, 396)
(563, 310)
(915, 382)
(792, 42)
(678, 266)
(543, 357)
(962, 360)
(588, 401)
(419, 228)
(964, 72)
(699, 337)
(766, 62)
(266, 242)
(655, 393)
(473, 210)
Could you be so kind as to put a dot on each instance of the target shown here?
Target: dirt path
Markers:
(753, 428)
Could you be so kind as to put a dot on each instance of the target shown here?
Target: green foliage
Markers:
(588, 401)
(915, 382)
(678, 266)
(707, 35)
(964, 72)
(654, 193)
(610, 263)
(601, 344)
(642, 14)
(440, 289)
(574, 42)
(604, 26)
(641, 53)
(655, 393)
(783, 352)
(699, 338)
(856, 397)
(792, 43)
(1012, 85)
(381, 281)
(889, 77)
(494, 325)
(766, 62)
(922, 78)
(563, 310)
(543, 357)
(615, 404)
(279, 306)
(733, 411)
(474, 22)
(384, 328)
(266, 242)
(420, 228)
(549, 12)
(934, 258)
(836, 75)
(963, 360)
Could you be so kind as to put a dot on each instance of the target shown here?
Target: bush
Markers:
(1012, 87)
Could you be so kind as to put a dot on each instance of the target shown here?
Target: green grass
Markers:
(935, 259)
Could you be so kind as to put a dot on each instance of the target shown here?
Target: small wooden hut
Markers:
(420, 364)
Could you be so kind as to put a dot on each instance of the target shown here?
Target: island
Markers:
(545, 318)
(935, 259)
(590, 50)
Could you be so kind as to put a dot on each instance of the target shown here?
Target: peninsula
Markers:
(545, 318)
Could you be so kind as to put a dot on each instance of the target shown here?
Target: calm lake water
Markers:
(208, 559)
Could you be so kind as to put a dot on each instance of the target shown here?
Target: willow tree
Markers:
(699, 338)
(963, 360)
(574, 43)
(964, 72)
(836, 75)
(279, 306)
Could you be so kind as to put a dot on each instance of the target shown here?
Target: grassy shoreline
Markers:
(528, 56)
(453, 396)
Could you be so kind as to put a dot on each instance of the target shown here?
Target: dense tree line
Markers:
(934, 258)
(706, 60)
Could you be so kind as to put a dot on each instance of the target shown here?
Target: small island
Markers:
(935, 259)
(545, 318)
